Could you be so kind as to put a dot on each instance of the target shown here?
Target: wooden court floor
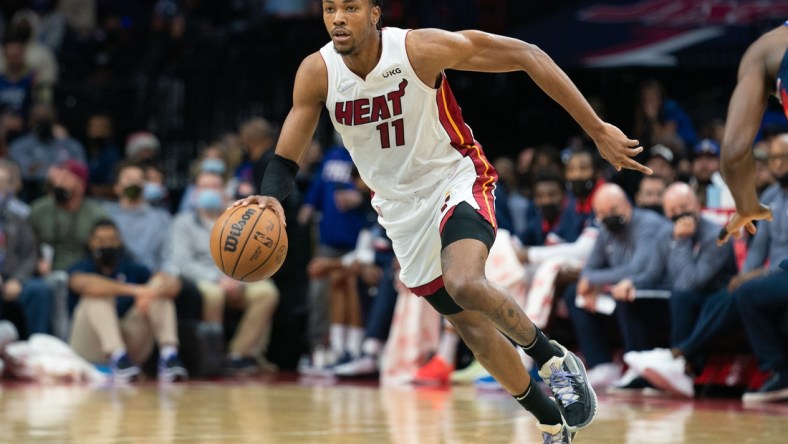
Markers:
(303, 412)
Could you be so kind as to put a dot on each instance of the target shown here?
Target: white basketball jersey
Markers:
(403, 135)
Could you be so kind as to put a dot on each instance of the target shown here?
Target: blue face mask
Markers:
(215, 166)
(210, 200)
(153, 192)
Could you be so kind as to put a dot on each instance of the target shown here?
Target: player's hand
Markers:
(618, 149)
(263, 202)
(744, 220)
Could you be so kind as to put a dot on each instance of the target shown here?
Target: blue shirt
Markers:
(338, 229)
(127, 272)
(16, 96)
(102, 165)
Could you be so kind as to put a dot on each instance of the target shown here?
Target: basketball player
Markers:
(763, 70)
(388, 97)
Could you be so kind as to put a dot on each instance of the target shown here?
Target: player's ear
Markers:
(376, 14)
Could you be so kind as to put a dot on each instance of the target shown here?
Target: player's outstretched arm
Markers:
(745, 112)
(309, 95)
(433, 50)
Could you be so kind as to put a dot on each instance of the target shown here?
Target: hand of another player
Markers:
(685, 227)
(263, 202)
(618, 149)
(744, 219)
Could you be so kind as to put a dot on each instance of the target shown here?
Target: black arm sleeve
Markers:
(279, 178)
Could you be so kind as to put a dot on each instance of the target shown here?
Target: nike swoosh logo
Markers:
(344, 86)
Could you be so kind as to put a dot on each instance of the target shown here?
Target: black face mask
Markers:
(614, 224)
(133, 192)
(655, 208)
(783, 180)
(43, 129)
(550, 212)
(676, 217)
(98, 141)
(108, 256)
(62, 195)
(581, 188)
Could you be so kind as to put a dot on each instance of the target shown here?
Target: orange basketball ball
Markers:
(248, 243)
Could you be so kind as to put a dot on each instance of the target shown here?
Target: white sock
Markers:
(337, 338)
(355, 336)
(117, 354)
(371, 346)
(168, 351)
(447, 348)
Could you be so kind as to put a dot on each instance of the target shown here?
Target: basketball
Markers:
(248, 243)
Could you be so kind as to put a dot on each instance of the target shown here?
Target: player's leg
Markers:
(466, 239)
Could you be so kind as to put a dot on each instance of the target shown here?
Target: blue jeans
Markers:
(697, 318)
(381, 310)
(36, 300)
(762, 303)
(642, 324)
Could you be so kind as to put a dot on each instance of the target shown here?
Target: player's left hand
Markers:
(744, 220)
(615, 147)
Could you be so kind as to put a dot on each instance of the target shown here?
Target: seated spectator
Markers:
(649, 195)
(211, 160)
(761, 291)
(62, 222)
(10, 184)
(155, 190)
(190, 257)
(763, 177)
(627, 241)
(583, 179)
(120, 308)
(103, 156)
(64, 218)
(38, 57)
(135, 217)
(661, 162)
(697, 271)
(707, 181)
(18, 254)
(38, 151)
(550, 202)
(17, 81)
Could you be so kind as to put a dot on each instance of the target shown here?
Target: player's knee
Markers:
(467, 291)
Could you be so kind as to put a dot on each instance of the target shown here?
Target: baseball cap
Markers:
(707, 147)
(76, 168)
(662, 151)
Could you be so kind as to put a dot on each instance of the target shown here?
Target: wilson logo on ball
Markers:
(231, 243)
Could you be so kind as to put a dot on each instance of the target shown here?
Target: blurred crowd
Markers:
(98, 248)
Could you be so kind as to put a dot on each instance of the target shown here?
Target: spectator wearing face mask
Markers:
(62, 221)
(550, 202)
(37, 152)
(103, 155)
(649, 195)
(211, 161)
(120, 308)
(582, 182)
(626, 243)
(10, 184)
(697, 272)
(189, 256)
(155, 190)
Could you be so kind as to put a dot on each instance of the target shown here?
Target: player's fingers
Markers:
(632, 143)
(750, 227)
(634, 165)
(634, 151)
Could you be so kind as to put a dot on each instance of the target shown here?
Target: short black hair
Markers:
(549, 176)
(103, 223)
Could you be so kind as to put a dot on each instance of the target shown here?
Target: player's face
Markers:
(350, 23)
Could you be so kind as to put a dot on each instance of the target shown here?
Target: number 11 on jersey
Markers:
(399, 133)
